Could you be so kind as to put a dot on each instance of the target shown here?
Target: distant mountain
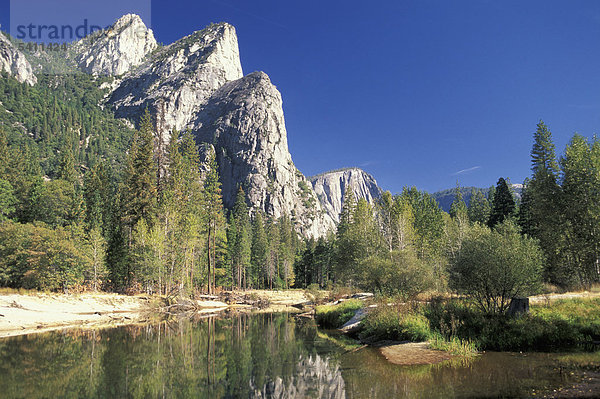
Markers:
(331, 188)
(445, 198)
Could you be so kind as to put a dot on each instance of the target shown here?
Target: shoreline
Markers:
(22, 314)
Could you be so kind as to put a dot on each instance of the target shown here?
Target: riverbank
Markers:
(40, 312)
(459, 328)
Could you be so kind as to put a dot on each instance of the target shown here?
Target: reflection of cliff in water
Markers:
(269, 355)
(315, 377)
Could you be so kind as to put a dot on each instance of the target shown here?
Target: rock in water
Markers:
(244, 121)
(114, 51)
(14, 62)
(331, 187)
(180, 77)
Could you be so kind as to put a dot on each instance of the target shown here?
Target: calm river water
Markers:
(247, 356)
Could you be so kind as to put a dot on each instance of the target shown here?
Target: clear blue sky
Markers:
(415, 92)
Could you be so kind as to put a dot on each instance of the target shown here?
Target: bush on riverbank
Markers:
(560, 324)
(389, 323)
(409, 323)
(335, 316)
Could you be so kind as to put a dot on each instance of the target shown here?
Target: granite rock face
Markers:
(331, 188)
(14, 62)
(198, 83)
(244, 121)
(176, 80)
(116, 50)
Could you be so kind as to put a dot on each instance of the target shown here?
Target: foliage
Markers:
(62, 114)
(581, 209)
(559, 324)
(403, 273)
(35, 256)
(503, 205)
(540, 213)
(335, 316)
(494, 266)
(479, 208)
(391, 323)
(453, 345)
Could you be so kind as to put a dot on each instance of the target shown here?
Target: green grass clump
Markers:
(335, 316)
(453, 345)
(388, 323)
(559, 324)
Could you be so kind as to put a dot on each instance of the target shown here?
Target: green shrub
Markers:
(560, 324)
(494, 266)
(388, 323)
(335, 316)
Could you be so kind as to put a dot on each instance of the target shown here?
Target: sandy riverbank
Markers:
(40, 312)
(25, 314)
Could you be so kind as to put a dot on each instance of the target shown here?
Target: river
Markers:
(247, 356)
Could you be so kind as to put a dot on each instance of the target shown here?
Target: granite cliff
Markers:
(14, 62)
(116, 50)
(331, 187)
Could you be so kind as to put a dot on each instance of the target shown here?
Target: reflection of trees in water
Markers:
(208, 357)
(314, 378)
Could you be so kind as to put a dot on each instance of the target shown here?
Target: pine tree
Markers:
(239, 240)
(525, 217)
(286, 251)
(504, 204)
(213, 213)
(581, 187)
(259, 249)
(542, 215)
(458, 209)
(66, 169)
(479, 208)
(140, 180)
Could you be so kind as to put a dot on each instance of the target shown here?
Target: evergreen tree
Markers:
(504, 204)
(66, 169)
(458, 209)
(239, 240)
(542, 216)
(213, 213)
(259, 250)
(479, 208)
(525, 218)
(140, 180)
(286, 251)
(581, 186)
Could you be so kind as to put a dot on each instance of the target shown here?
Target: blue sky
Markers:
(416, 92)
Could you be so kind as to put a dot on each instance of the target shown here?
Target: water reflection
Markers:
(264, 356)
(249, 356)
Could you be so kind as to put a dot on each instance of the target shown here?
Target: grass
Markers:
(558, 325)
(409, 323)
(335, 316)
(457, 327)
(453, 345)
(388, 323)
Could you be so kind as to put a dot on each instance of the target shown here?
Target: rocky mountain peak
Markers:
(114, 51)
(178, 79)
(331, 188)
(14, 62)
(244, 120)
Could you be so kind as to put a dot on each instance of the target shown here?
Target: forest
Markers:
(89, 203)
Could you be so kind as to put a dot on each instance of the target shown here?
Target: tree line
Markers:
(494, 249)
(157, 224)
